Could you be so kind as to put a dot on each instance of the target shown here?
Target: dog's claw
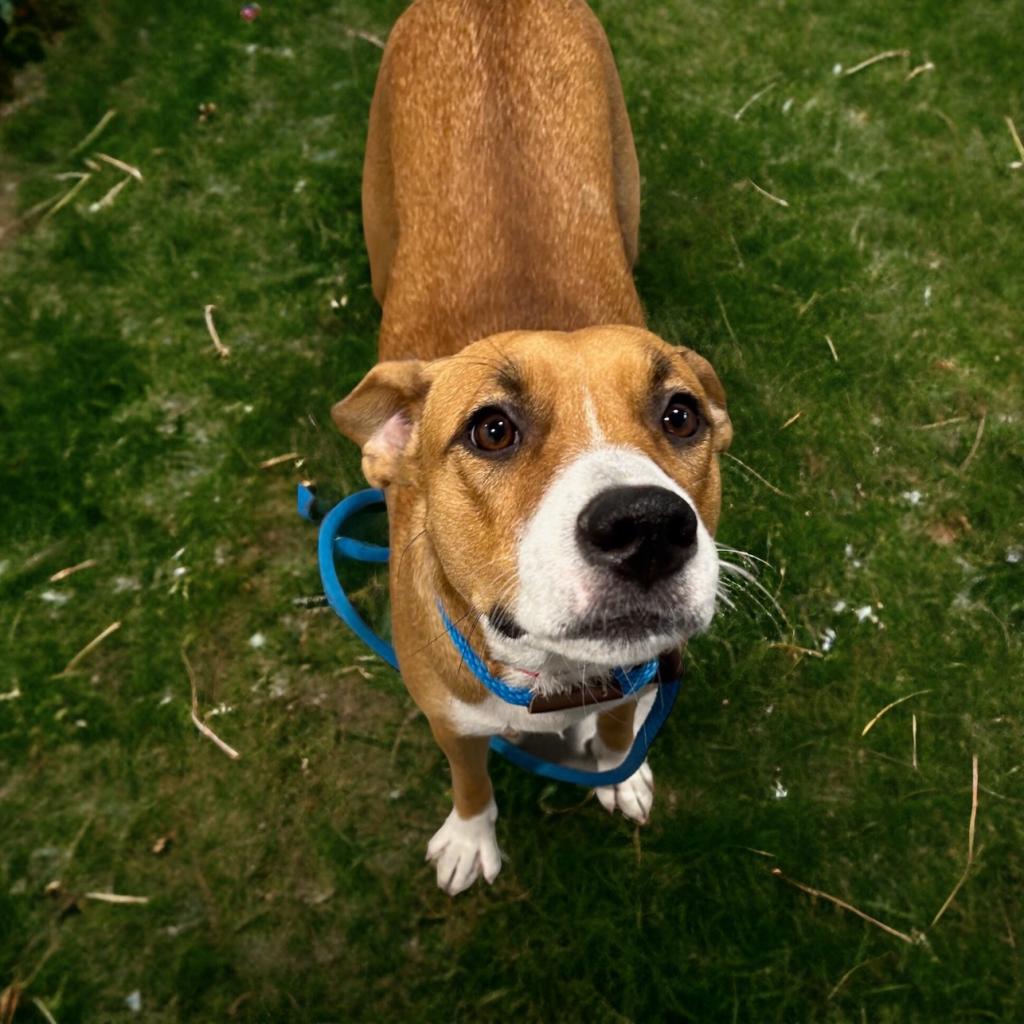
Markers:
(465, 848)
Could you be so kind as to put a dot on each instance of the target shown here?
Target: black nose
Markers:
(642, 534)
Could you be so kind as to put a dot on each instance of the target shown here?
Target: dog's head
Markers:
(571, 484)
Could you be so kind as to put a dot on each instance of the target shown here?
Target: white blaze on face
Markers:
(558, 587)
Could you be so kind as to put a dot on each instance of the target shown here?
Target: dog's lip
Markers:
(639, 625)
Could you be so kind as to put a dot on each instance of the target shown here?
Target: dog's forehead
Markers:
(603, 366)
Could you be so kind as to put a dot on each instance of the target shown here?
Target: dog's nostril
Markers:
(643, 534)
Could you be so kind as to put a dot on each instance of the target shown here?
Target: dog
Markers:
(550, 467)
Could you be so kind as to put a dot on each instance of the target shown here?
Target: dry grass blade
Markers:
(197, 721)
(919, 70)
(63, 574)
(757, 476)
(367, 37)
(913, 740)
(842, 904)
(888, 707)
(116, 897)
(769, 195)
(795, 649)
(940, 423)
(222, 350)
(95, 133)
(753, 99)
(832, 348)
(66, 198)
(120, 165)
(886, 55)
(278, 460)
(1016, 137)
(89, 647)
(110, 196)
(792, 419)
(970, 843)
(977, 442)
(42, 1008)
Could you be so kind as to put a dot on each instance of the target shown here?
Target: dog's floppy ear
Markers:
(720, 421)
(381, 414)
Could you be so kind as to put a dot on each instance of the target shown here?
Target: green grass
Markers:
(294, 888)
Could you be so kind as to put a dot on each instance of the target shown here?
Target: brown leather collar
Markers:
(670, 667)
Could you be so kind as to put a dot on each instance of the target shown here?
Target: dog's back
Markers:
(500, 187)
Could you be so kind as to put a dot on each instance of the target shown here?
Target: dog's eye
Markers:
(492, 430)
(680, 418)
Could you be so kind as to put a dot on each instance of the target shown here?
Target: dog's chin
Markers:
(597, 641)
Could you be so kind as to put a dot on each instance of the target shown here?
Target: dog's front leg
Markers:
(466, 846)
(635, 796)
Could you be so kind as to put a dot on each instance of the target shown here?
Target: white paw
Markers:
(465, 848)
(634, 797)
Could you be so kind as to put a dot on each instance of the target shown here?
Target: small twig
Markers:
(95, 133)
(888, 707)
(367, 37)
(278, 460)
(777, 872)
(970, 842)
(792, 419)
(913, 737)
(66, 198)
(1016, 137)
(63, 574)
(977, 441)
(757, 476)
(753, 99)
(222, 350)
(116, 897)
(89, 647)
(197, 721)
(768, 195)
(940, 423)
(120, 165)
(919, 70)
(109, 197)
(832, 348)
(887, 55)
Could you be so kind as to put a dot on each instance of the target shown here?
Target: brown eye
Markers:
(680, 418)
(492, 430)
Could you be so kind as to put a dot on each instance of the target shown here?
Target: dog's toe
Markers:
(465, 848)
(633, 798)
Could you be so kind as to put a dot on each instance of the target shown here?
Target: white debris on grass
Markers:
(57, 597)
(1015, 555)
(134, 1001)
(828, 640)
(839, 606)
(257, 640)
(779, 791)
(912, 497)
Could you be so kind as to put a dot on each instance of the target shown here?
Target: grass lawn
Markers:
(867, 324)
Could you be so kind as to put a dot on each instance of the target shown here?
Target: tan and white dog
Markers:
(551, 468)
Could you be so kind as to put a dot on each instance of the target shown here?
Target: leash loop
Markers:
(332, 544)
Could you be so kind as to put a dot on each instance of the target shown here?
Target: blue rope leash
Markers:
(331, 544)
